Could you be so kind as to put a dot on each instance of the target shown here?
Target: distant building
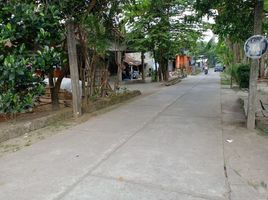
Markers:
(184, 62)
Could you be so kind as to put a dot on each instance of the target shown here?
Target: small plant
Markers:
(242, 75)
(154, 76)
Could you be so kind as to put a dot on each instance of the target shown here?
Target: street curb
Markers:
(172, 81)
(261, 121)
(16, 129)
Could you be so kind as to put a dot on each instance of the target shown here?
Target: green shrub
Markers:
(154, 76)
(18, 87)
(26, 39)
(242, 75)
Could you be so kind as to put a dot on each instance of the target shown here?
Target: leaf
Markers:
(11, 76)
(42, 31)
(22, 48)
(20, 72)
(9, 27)
(5, 73)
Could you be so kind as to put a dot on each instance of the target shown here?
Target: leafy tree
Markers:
(39, 26)
(233, 23)
(233, 19)
(23, 33)
(161, 27)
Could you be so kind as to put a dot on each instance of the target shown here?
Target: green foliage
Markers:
(225, 78)
(161, 27)
(266, 5)
(47, 59)
(232, 71)
(97, 34)
(27, 33)
(242, 75)
(238, 73)
(18, 87)
(224, 54)
(233, 19)
(208, 50)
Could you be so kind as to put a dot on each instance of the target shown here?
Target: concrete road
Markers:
(167, 145)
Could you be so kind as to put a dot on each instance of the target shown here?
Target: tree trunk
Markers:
(96, 69)
(237, 52)
(86, 70)
(251, 110)
(72, 54)
(118, 60)
(234, 49)
(155, 74)
(161, 66)
(160, 75)
(166, 74)
(163, 69)
(87, 67)
(142, 66)
(92, 73)
(243, 55)
(262, 67)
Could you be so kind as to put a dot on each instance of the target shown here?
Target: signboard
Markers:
(256, 46)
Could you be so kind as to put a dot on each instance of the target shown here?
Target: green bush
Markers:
(28, 42)
(242, 75)
(18, 87)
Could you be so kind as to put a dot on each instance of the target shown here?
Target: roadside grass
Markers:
(225, 79)
(262, 129)
(196, 72)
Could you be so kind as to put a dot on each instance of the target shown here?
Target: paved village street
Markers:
(168, 145)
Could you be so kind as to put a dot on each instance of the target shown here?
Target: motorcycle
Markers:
(206, 71)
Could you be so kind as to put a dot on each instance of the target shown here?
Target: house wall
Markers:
(182, 61)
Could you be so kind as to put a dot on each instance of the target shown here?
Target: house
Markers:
(183, 62)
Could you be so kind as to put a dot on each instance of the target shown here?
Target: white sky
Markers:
(208, 35)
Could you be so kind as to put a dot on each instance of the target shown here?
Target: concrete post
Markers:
(72, 54)
(254, 69)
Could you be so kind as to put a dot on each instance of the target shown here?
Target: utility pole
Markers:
(72, 54)
(254, 69)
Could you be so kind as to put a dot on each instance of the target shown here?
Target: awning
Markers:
(131, 61)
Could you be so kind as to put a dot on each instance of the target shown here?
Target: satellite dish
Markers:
(256, 46)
